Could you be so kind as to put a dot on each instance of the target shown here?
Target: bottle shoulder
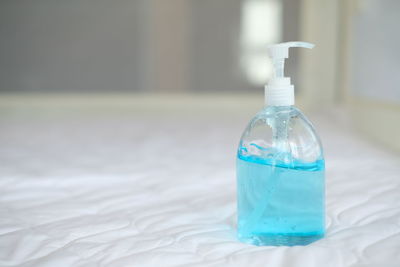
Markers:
(285, 112)
(284, 131)
(288, 115)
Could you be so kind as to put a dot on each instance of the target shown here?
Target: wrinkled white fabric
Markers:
(122, 188)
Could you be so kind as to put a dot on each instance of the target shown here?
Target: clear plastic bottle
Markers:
(280, 178)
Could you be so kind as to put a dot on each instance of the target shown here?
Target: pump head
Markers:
(279, 91)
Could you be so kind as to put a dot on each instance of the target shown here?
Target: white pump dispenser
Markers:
(279, 91)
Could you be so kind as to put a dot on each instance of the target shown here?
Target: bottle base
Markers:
(280, 239)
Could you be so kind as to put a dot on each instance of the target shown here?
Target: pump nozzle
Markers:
(282, 50)
(280, 92)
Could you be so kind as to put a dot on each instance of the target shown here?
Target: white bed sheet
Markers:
(122, 188)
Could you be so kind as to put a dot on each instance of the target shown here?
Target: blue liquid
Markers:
(280, 204)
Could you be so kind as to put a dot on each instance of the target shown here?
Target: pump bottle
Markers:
(280, 168)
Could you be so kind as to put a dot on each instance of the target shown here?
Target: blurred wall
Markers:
(120, 45)
(215, 46)
(375, 50)
(55, 45)
(138, 45)
(373, 94)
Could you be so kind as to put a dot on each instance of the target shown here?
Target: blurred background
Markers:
(120, 120)
(150, 54)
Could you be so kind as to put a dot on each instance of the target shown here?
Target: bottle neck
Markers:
(279, 108)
